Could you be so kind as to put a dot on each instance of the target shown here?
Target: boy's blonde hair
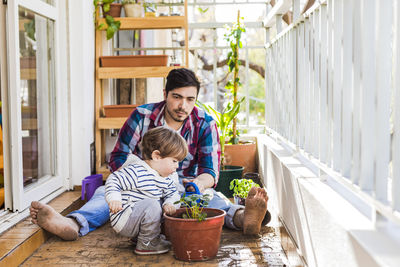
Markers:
(165, 140)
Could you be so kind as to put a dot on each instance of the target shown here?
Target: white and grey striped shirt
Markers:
(136, 182)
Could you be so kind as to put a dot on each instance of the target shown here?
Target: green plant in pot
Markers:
(194, 205)
(112, 24)
(226, 119)
(195, 231)
(241, 188)
(132, 8)
(237, 152)
(149, 8)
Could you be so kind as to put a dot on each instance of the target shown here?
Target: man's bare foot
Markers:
(254, 212)
(52, 221)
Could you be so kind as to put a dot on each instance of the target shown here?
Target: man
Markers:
(201, 166)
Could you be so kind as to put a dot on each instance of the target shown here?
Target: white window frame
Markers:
(47, 187)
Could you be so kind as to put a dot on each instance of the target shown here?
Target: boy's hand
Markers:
(169, 209)
(115, 206)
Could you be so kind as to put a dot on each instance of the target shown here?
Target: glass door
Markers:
(33, 100)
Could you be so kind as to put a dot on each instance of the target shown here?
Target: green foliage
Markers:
(233, 36)
(202, 10)
(150, 7)
(113, 25)
(223, 120)
(194, 205)
(29, 28)
(241, 187)
(124, 2)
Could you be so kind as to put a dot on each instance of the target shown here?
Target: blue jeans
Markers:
(93, 214)
(96, 213)
(219, 201)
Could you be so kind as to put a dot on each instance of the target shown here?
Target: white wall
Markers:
(81, 79)
(326, 228)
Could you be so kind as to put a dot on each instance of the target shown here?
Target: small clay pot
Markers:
(115, 10)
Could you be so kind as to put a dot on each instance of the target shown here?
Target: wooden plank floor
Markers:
(104, 248)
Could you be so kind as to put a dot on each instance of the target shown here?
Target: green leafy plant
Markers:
(233, 36)
(223, 120)
(241, 187)
(202, 10)
(124, 2)
(29, 28)
(105, 3)
(112, 24)
(194, 205)
(226, 119)
(149, 7)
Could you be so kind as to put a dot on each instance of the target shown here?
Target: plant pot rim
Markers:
(243, 143)
(121, 106)
(222, 214)
(231, 168)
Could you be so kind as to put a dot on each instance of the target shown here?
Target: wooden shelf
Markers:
(111, 123)
(134, 72)
(148, 23)
(127, 23)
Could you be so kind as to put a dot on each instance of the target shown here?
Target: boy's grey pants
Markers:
(146, 217)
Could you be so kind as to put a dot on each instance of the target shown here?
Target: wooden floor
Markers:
(104, 248)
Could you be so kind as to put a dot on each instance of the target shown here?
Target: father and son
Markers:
(161, 147)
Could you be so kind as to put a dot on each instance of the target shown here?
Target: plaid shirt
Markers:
(199, 130)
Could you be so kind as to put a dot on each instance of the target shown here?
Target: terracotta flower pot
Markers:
(115, 10)
(242, 155)
(118, 111)
(193, 240)
(134, 61)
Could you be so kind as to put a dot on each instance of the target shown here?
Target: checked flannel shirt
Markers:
(199, 130)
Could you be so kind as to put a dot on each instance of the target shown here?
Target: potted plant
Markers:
(241, 188)
(149, 9)
(112, 24)
(237, 152)
(110, 7)
(223, 119)
(195, 231)
(132, 8)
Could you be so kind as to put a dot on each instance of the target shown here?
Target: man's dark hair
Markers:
(181, 77)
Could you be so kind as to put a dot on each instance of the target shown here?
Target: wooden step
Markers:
(19, 242)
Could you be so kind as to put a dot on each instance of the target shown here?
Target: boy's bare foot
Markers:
(52, 221)
(254, 212)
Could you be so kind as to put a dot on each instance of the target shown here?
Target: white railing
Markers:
(333, 93)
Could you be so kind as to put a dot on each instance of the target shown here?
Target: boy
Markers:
(134, 193)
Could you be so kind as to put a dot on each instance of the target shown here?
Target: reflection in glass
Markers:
(37, 97)
(50, 2)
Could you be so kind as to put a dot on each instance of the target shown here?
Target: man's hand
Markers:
(203, 181)
(115, 206)
(169, 209)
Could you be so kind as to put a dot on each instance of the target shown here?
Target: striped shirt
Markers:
(134, 183)
(199, 130)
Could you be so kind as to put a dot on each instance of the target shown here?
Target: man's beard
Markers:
(177, 119)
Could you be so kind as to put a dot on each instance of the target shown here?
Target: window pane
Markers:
(37, 97)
